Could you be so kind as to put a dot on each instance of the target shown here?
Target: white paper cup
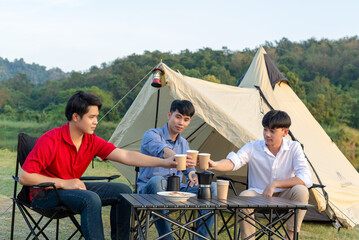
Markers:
(222, 189)
(203, 160)
(181, 161)
(194, 155)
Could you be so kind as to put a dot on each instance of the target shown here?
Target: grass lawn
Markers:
(315, 231)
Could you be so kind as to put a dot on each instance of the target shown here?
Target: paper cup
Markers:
(203, 160)
(222, 189)
(193, 154)
(181, 161)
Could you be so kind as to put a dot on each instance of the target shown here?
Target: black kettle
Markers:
(173, 183)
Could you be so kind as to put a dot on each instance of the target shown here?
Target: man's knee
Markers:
(300, 193)
(249, 193)
(126, 189)
(214, 189)
(92, 200)
(155, 184)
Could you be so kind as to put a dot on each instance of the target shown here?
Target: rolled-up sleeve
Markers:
(241, 157)
(152, 144)
(300, 165)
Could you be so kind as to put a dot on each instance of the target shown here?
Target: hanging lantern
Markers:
(157, 75)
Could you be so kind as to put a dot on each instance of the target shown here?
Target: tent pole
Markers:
(158, 103)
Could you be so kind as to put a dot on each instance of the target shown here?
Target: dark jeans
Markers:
(88, 204)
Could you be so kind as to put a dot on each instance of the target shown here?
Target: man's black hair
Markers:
(184, 107)
(79, 103)
(276, 119)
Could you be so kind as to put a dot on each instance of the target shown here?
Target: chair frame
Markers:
(23, 203)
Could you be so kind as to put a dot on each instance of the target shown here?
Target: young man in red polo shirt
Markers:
(62, 155)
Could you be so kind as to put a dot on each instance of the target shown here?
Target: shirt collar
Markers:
(167, 134)
(285, 144)
(65, 131)
(283, 147)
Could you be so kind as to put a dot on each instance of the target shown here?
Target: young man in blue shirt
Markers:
(163, 143)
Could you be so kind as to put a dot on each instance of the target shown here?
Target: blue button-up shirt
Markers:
(153, 143)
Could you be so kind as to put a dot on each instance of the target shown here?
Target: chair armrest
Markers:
(231, 183)
(317, 186)
(41, 185)
(231, 180)
(91, 178)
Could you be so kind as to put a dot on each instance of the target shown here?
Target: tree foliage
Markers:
(324, 74)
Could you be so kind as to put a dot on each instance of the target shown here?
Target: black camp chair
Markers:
(22, 199)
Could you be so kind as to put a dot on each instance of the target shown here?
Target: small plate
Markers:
(176, 196)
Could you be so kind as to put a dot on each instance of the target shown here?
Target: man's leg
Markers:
(109, 193)
(246, 228)
(297, 193)
(154, 185)
(203, 230)
(83, 202)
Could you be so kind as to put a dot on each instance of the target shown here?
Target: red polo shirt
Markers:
(55, 155)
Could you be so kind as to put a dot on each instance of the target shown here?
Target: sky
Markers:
(75, 35)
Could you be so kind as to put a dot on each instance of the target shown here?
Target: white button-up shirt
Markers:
(264, 167)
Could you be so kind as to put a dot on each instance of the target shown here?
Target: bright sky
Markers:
(78, 34)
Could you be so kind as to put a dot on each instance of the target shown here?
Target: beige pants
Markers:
(297, 193)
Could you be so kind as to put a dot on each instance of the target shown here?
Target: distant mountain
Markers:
(36, 73)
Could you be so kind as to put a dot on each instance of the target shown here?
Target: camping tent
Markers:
(227, 117)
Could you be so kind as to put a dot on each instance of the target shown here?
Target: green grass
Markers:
(312, 230)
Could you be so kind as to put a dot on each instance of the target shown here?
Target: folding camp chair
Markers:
(22, 199)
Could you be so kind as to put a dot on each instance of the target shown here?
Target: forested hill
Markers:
(34, 72)
(324, 73)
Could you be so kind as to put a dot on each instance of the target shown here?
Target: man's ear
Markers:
(168, 115)
(76, 117)
(286, 131)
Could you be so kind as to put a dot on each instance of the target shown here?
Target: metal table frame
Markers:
(276, 210)
(144, 206)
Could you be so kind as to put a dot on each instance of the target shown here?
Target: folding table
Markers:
(144, 206)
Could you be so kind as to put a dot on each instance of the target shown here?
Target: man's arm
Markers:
(223, 165)
(137, 159)
(233, 161)
(285, 183)
(167, 152)
(35, 178)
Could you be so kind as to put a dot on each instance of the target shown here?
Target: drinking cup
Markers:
(193, 154)
(222, 189)
(181, 161)
(203, 160)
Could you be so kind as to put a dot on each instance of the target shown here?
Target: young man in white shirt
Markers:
(277, 167)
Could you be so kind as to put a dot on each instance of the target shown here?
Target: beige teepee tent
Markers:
(227, 117)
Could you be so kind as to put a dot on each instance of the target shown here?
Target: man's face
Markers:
(87, 124)
(177, 122)
(273, 137)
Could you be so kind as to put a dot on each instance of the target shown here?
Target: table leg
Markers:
(215, 225)
(270, 223)
(133, 223)
(148, 215)
(295, 223)
(236, 233)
